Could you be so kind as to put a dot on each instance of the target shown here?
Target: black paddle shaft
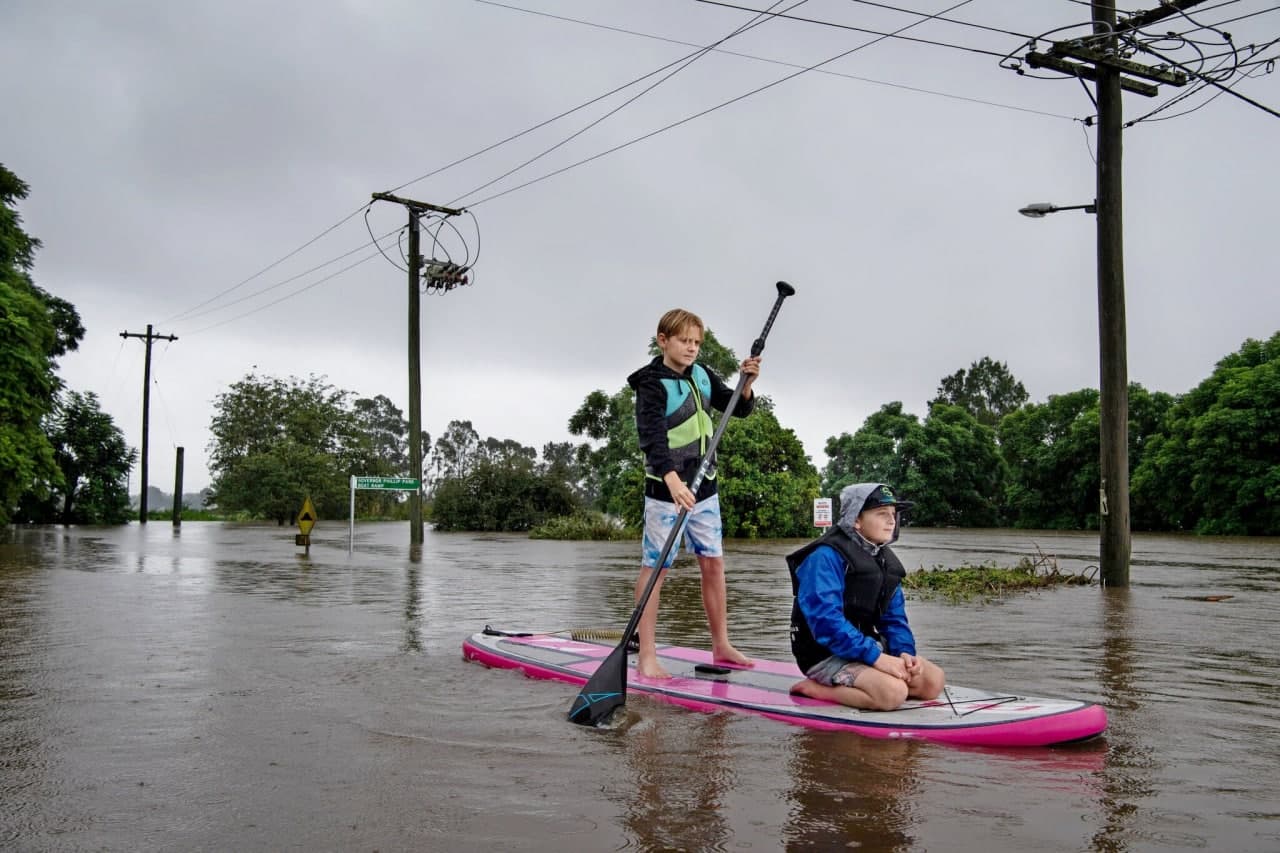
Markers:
(606, 690)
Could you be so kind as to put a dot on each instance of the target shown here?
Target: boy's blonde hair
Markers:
(677, 320)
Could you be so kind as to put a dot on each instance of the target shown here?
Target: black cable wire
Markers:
(684, 63)
(709, 110)
(758, 58)
(191, 315)
(944, 20)
(925, 17)
(1212, 82)
(375, 241)
(289, 295)
(264, 270)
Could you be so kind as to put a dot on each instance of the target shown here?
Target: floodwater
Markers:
(212, 688)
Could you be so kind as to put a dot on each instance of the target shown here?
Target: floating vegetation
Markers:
(987, 580)
(584, 524)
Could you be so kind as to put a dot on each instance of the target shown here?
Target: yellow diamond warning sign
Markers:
(307, 516)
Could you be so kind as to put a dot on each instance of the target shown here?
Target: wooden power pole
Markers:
(146, 409)
(1099, 59)
(415, 209)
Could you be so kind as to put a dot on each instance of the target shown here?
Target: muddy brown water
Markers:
(213, 689)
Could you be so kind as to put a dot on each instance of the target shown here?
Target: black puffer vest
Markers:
(869, 583)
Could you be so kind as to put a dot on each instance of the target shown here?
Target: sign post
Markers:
(306, 521)
(822, 512)
(396, 484)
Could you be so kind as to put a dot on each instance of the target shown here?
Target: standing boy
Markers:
(849, 630)
(674, 396)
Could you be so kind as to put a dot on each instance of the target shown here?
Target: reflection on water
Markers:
(212, 688)
(855, 790)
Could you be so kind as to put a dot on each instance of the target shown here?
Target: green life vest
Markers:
(689, 426)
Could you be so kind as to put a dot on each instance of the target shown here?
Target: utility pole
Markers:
(1113, 358)
(146, 409)
(1099, 59)
(416, 209)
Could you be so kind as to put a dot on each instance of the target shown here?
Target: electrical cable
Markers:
(289, 295)
(758, 58)
(707, 111)
(882, 35)
(684, 63)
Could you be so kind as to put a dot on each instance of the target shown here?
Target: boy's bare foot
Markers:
(801, 688)
(651, 669)
(728, 654)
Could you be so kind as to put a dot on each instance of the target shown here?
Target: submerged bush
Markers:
(987, 580)
(584, 524)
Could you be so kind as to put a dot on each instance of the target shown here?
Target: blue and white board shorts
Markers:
(702, 530)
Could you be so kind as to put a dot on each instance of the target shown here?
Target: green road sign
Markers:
(402, 484)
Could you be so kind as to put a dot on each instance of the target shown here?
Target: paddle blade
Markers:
(604, 692)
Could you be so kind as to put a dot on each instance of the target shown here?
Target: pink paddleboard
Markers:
(961, 716)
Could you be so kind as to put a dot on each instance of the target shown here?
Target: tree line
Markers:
(983, 455)
(62, 459)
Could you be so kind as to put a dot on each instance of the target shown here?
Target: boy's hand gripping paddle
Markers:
(606, 690)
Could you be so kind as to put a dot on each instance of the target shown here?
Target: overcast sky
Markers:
(176, 150)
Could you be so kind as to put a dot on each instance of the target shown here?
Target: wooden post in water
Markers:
(177, 488)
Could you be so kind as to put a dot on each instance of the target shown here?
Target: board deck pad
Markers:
(961, 715)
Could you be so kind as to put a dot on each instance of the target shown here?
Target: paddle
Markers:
(606, 690)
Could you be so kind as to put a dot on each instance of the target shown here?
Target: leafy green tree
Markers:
(272, 483)
(953, 470)
(1216, 468)
(767, 483)
(35, 329)
(615, 463)
(507, 452)
(275, 442)
(569, 463)
(1051, 451)
(383, 451)
(872, 454)
(456, 452)
(500, 496)
(987, 390)
(94, 462)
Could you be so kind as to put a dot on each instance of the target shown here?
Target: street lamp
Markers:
(1039, 209)
(1113, 385)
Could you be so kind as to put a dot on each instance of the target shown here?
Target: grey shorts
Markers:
(836, 672)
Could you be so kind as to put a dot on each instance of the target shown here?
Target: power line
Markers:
(265, 269)
(883, 35)
(289, 295)
(758, 58)
(684, 63)
(709, 110)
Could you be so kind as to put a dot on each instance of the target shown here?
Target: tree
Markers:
(870, 455)
(1216, 468)
(987, 390)
(500, 496)
(94, 462)
(953, 470)
(35, 329)
(382, 452)
(616, 465)
(1051, 451)
(767, 483)
(276, 442)
(456, 452)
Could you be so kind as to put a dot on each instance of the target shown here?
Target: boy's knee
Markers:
(891, 695)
